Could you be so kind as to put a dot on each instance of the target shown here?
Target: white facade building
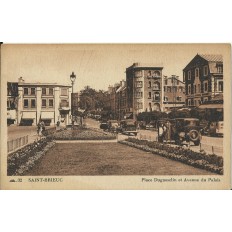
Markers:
(48, 102)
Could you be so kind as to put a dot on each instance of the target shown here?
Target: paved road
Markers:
(206, 142)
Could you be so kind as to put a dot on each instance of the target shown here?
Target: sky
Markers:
(96, 65)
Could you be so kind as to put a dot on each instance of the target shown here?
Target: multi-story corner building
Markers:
(43, 102)
(144, 88)
(203, 77)
(173, 92)
(12, 102)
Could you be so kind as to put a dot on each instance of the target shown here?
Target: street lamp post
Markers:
(72, 78)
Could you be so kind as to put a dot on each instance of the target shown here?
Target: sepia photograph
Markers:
(155, 112)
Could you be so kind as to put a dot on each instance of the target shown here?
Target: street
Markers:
(206, 142)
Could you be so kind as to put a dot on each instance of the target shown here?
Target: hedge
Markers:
(209, 162)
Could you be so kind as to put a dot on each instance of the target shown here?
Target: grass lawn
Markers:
(107, 159)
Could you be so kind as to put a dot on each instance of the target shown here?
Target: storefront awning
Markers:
(47, 115)
(29, 115)
(211, 106)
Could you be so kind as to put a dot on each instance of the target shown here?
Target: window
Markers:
(64, 91)
(165, 98)
(169, 89)
(43, 91)
(43, 103)
(205, 70)
(189, 75)
(32, 103)
(50, 91)
(138, 73)
(205, 87)
(25, 91)
(149, 94)
(139, 105)
(149, 84)
(178, 98)
(138, 84)
(197, 72)
(219, 69)
(189, 89)
(64, 103)
(189, 102)
(156, 86)
(166, 81)
(174, 89)
(139, 94)
(157, 96)
(220, 86)
(25, 103)
(165, 88)
(156, 73)
(50, 102)
(195, 89)
(149, 107)
(32, 91)
(199, 88)
(183, 76)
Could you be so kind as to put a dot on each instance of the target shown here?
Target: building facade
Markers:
(173, 93)
(121, 101)
(144, 88)
(43, 102)
(203, 77)
(12, 102)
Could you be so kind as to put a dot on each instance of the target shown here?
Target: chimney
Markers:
(20, 80)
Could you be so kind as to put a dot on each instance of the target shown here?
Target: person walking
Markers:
(38, 128)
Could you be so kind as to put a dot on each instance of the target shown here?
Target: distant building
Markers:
(43, 102)
(121, 101)
(12, 102)
(173, 93)
(144, 88)
(110, 102)
(203, 77)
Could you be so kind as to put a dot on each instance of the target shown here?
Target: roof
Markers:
(146, 65)
(212, 57)
(43, 84)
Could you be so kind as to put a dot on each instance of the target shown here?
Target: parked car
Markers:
(113, 126)
(179, 130)
(128, 127)
(151, 125)
(104, 126)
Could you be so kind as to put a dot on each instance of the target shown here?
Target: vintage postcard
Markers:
(115, 116)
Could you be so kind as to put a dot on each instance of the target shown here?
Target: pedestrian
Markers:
(43, 126)
(38, 128)
(58, 125)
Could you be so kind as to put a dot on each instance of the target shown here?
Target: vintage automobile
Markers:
(179, 130)
(104, 125)
(151, 125)
(113, 126)
(128, 127)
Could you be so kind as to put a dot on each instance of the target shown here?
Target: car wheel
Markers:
(194, 135)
